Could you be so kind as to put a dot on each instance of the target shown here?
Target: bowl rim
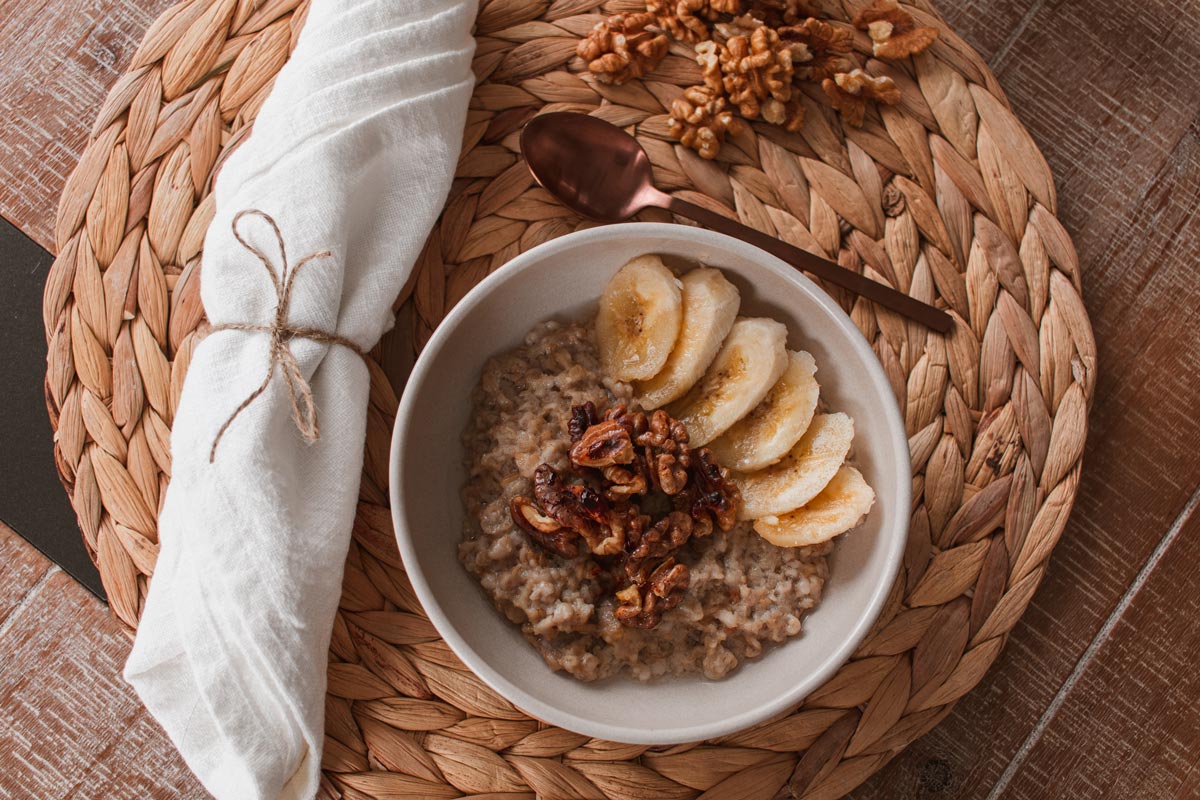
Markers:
(477, 662)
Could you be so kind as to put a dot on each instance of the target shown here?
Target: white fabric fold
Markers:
(353, 153)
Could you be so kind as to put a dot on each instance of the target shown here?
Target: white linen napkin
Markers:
(352, 153)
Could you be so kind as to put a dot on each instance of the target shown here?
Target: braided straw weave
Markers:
(944, 196)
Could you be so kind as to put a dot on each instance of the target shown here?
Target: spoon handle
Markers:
(885, 296)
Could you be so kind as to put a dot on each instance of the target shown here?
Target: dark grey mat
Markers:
(32, 501)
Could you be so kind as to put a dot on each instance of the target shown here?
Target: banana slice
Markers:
(710, 305)
(639, 318)
(803, 472)
(840, 506)
(768, 432)
(751, 360)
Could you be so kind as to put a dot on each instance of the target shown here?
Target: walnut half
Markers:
(893, 32)
(602, 445)
(643, 606)
(849, 93)
(542, 528)
(620, 48)
(700, 121)
(820, 50)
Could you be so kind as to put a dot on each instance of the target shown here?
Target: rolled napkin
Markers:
(320, 216)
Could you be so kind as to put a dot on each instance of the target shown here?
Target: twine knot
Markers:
(304, 409)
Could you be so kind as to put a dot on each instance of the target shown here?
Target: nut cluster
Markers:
(753, 54)
(617, 460)
(621, 48)
(700, 120)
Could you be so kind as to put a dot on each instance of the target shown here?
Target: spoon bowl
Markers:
(616, 182)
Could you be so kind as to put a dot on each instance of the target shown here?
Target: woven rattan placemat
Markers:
(945, 196)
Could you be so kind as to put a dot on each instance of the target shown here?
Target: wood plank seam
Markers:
(27, 600)
(1118, 612)
(996, 62)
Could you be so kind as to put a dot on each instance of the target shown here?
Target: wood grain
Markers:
(1087, 749)
(57, 62)
(21, 569)
(70, 727)
(1108, 95)
(1122, 141)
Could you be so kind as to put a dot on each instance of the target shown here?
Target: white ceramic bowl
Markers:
(562, 278)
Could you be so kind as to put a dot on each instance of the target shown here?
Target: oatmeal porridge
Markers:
(743, 593)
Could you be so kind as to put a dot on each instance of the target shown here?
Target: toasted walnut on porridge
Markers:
(616, 462)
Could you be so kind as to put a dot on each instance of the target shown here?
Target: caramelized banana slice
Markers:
(710, 305)
(840, 506)
(751, 360)
(768, 432)
(802, 474)
(640, 313)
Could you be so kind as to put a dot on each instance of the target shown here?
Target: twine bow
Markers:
(304, 409)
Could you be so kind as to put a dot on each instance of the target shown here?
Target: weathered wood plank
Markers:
(57, 62)
(69, 725)
(21, 567)
(1121, 138)
(1127, 730)
(990, 26)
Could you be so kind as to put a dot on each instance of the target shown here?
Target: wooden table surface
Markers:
(1096, 693)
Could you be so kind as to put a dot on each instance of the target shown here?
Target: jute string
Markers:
(304, 409)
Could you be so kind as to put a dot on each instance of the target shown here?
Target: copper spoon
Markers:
(599, 171)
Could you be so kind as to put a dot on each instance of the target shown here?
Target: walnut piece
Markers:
(707, 56)
(716, 495)
(649, 546)
(820, 50)
(893, 32)
(603, 445)
(582, 418)
(620, 48)
(642, 606)
(778, 13)
(666, 451)
(743, 25)
(700, 121)
(688, 20)
(580, 509)
(633, 421)
(756, 71)
(543, 529)
(849, 93)
(626, 482)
